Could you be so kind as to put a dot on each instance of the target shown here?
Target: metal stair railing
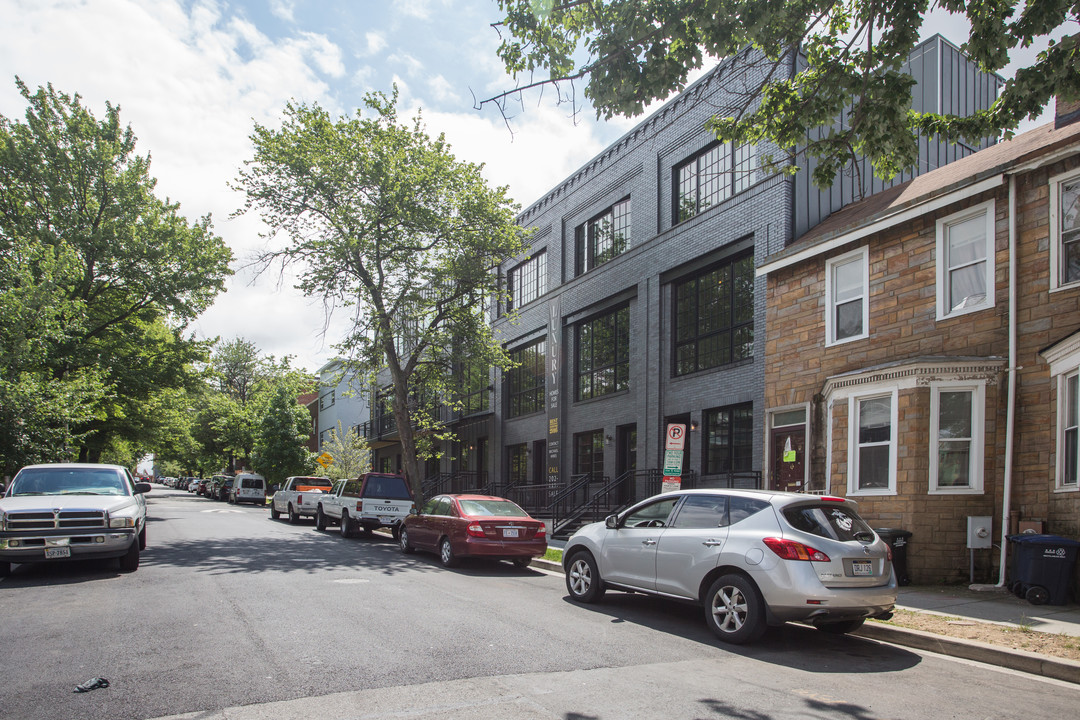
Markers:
(435, 485)
(571, 497)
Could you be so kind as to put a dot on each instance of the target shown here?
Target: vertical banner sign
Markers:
(674, 444)
(553, 368)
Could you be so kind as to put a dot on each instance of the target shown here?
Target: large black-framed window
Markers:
(714, 316)
(589, 454)
(527, 281)
(729, 439)
(602, 238)
(603, 354)
(525, 380)
(518, 457)
(709, 177)
(473, 392)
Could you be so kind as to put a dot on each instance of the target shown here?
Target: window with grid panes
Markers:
(710, 177)
(526, 380)
(602, 238)
(729, 439)
(603, 354)
(473, 388)
(714, 317)
(527, 281)
(519, 464)
(589, 454)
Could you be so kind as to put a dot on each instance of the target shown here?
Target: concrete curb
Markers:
(1020, 660)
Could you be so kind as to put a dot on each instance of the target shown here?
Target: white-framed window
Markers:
(956, 437)
(1065, 230)
(965, 261)
(872, 444)
(1068, 445)
(847, 307)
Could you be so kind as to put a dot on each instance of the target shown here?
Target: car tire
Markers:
(320, 519)
(583, 580)
(403, 542)
(840, 627)
(294, 517)
(346, 525)
(130, 561)
(274, 514)
(446, 554)
(522, 563)
(142, 539)
(395, 531)
(734, 610)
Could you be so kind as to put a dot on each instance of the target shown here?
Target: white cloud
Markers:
(283, 9)
(376, 43)
(406, 62)
(420, 9)
(442, 90)
(325, 54)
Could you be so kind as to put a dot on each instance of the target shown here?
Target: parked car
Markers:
(72, 511)
(457, 526)
(750, 558)
(366, 503)
(224, 489)
(299, 496)
(200, 487)
(248, 487)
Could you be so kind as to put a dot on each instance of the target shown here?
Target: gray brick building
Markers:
(637, 304)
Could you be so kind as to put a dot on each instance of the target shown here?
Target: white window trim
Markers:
(988, 208)
(1055, 230)
(830, 307)
(978, 436)
(1059, 440)
(853, 444)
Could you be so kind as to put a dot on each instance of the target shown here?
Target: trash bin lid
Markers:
(893, 531)
(1056, 540)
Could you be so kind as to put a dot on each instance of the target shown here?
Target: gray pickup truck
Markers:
(72, 511)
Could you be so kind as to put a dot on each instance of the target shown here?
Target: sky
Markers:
(193, 76)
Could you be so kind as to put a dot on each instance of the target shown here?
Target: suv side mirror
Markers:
(141, 488)
(611, 522)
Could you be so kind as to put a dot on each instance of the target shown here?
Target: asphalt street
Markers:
(234, 615)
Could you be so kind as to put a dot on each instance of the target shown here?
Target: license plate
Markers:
(58, 552)
(510, 532)
(862, 567)
(386, 519)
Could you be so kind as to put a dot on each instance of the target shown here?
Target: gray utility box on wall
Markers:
(980, 532)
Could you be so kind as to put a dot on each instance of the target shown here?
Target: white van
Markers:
(249, 487)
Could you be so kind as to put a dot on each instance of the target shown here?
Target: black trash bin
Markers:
(1041, 568)
(897, 540)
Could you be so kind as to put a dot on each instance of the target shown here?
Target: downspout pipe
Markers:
(1010, 416)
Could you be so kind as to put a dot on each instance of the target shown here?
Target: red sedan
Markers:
(457, 526)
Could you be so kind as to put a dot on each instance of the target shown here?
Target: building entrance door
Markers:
(788, 458)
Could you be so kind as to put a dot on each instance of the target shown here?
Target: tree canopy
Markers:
(629, 53)
(100, 278)
(383, 220)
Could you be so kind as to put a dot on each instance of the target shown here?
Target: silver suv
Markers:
(751, 558)
(73, 511)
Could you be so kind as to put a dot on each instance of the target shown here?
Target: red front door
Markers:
(788, 458)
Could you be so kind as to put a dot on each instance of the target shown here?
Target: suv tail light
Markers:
(359, 506)
(299, 499)
(791, 550)
(475, 530)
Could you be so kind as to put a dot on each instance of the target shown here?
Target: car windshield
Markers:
(829, 521)
(491, 508)
(68, 481)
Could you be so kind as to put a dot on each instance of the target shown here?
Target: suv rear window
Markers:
(391, 487)
(828, 521)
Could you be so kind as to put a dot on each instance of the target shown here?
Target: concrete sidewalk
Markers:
(989, 604)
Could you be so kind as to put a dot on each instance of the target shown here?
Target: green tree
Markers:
(383, 219)
(631, 53)
(280, 449)
(110, 272)
(350, 451)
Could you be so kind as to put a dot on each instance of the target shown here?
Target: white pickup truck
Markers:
(368, 502)
(299, 496)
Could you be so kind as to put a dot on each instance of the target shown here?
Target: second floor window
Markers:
(1064, 230)
(710, 177)
(604, 237)
(473, 388)
(327, 400)
(714, 317)
(603, 354)
(526, 380)
(527, 281)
